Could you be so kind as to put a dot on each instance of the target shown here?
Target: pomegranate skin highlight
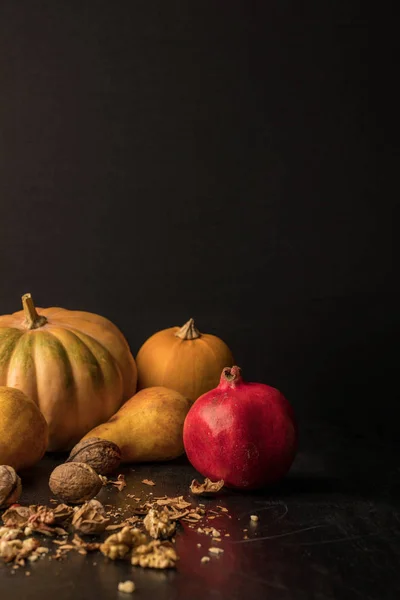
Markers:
(243, 433)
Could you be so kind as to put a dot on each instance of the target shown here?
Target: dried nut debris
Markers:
(127, 587)
(254, 518)
(10, 486)
(75, 482)
(102, 455)
(155, 555)
(207, 487)
(148, 482)
(118, 545)
(90, 518)
(158, 523)
(131, 543)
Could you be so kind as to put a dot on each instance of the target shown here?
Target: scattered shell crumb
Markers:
(254, 517)
(205, 559)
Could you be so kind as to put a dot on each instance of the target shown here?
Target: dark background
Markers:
(161, 160)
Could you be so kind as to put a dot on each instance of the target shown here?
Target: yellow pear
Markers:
(148, 427)
(23, 430)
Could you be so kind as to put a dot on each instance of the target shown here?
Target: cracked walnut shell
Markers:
(74, 482)
(90, 518)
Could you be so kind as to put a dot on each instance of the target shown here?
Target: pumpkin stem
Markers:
(188, 331)
(32, 319)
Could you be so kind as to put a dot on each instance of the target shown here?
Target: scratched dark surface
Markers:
(329, 531)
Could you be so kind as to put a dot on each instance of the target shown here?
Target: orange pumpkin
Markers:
(183, 359)
(76, 366)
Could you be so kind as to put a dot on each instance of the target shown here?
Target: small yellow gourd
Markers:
(183, 359)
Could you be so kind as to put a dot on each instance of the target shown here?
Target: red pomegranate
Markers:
(243, 433)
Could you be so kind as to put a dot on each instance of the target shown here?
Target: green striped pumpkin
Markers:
(76, 366)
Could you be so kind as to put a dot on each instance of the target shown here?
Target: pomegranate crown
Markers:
(231, 375)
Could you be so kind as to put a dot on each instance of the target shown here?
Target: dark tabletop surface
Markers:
(330, 530)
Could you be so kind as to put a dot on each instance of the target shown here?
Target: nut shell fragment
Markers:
(207, 487)
(90, 518)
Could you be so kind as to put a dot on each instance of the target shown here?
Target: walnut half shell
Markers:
(75, 482)
(10, 486)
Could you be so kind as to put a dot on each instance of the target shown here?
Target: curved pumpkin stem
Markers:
(188, 331)
(32, 319)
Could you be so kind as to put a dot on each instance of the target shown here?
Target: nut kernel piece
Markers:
(127, 587)
(215, 550)
(254, 518)
(158, 524)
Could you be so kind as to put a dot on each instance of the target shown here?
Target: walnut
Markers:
(103, 456)
(75, 482)
(207, 487)
(155, 555)
(90, 518)
(10, 486)
(17, 516)
(158, 523)
(119, 544)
